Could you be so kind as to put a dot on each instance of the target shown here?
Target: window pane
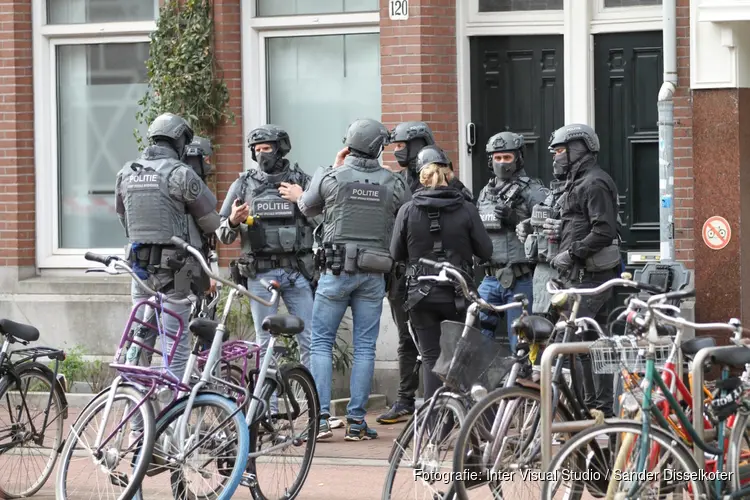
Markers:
(100, 11)
(317, 86)
(98, 89)
(299, 7)
(630, 3)
(511, 5)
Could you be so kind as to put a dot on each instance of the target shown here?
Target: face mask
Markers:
(268, 162)
(402, 157)
(560, 166)
(504, 170)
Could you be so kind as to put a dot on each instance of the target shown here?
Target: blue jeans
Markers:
(493, 292)
(364, 293)
(298, 297)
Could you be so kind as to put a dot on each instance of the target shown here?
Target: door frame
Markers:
(578, 22)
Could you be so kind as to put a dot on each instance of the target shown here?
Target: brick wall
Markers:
(418, 70)
(17, 231)
(683, 142)
(228, 159)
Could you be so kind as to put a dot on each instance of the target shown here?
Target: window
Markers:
(516, 5)
(89, 74)
(318, 85)
(268, 8)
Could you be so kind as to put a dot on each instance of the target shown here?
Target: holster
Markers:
(235, 275)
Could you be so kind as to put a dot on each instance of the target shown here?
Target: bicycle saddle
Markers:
(534, 328)
(736, 357)
(19, 331)
(205, 329)
(691, 347)
(283, 324)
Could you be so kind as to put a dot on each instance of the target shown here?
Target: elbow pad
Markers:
(209, 223)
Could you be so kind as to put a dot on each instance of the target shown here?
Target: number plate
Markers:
(398, 10)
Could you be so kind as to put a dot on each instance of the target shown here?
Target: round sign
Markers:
(716, 232)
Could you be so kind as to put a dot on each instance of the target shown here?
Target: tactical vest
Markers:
(360, 220)
(279, 227)
(153, 215)
(539, 246)
(506, 248)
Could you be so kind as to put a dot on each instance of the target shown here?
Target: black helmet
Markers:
(432, 154)
(572, 132)
(196, 153)
(507, 141)
(172, 128)
(269, 134)
(367, 137)
(407, 131)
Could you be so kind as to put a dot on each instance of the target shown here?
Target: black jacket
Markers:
(588, 210)
(462, 231)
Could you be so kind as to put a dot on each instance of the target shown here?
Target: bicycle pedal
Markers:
(119, 479)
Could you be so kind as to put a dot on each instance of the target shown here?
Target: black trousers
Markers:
(426, 317)
(407, 353)
(598, 388)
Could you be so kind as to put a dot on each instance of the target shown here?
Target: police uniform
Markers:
(359, 200)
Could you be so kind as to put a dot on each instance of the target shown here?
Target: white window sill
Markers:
(97, 285)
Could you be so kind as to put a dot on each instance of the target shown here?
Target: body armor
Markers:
(360, 220)
(153, 215)
(279, 227)
(539, 246)
(507, 249)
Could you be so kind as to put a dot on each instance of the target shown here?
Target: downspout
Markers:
(666, 131)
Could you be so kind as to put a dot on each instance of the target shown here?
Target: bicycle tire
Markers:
(290, 372)
(176, 410)
(145, 450)
(443, 401)
(473, 417)
(734, 451)
(7, 383)
(665, 440)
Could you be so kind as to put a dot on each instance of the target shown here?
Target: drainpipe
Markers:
(666, 132)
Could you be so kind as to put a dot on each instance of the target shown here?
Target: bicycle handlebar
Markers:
(456, 275)
(555, 286)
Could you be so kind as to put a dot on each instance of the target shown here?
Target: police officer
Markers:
(276, 238)
(506, 200)
(589, 251)
(439, 224)
(540, 235)
(158, 197)
(360, 200)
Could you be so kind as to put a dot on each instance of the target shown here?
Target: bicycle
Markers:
(271, 376)
(141, 388)
(32, 391)
(469, 363)
(656, 447)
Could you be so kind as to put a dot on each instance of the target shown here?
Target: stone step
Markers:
(338, 406)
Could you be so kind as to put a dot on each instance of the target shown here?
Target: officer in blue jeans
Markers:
(360, 200)
(507, 199)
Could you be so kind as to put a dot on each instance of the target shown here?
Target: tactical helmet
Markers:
(432, 154)
(406, 131)
(506, 141)
(367, 137)
(199, 147)
(173, 128)
(269, 134)
(572, 132)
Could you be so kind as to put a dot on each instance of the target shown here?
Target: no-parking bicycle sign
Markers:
(716, 233)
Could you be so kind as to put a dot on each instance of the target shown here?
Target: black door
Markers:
(516, 85)
(627, 75)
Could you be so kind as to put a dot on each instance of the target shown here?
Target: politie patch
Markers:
(273, 209)
(144, 180)
(359, 191)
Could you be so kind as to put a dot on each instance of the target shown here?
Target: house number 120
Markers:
(398, 10)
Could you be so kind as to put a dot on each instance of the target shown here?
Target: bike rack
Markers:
(697, 390)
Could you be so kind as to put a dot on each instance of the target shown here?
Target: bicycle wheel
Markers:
(288, 437)
(28, 446)
(212, 470)
(429, 474)
(738, 454)
(500, 466)
(674, 474)
(122, 476)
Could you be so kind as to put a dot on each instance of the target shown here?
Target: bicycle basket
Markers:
(469, 360)
(612, 354)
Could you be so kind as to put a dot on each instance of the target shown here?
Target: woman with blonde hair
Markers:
(438, 224)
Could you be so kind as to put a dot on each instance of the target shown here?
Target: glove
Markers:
(502, 211)
(562, 261)
(551, 228)
(523, 229)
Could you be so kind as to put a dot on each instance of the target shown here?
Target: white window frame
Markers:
(46, 38)
(257, 30)
(578, 22)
